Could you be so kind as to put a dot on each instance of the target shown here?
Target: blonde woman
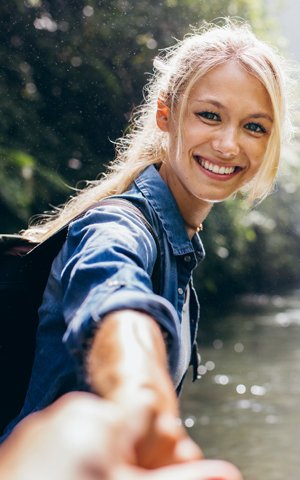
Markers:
(119, 314)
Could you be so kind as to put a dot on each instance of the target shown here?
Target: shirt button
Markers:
(187, 258)
(180, 291)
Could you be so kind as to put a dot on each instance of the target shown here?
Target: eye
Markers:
(255, 127)
(211, 116)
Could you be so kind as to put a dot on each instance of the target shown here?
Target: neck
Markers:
(193, 210)
(194, 218)
(194, 228)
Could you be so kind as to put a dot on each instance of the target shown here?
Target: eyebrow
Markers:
(262, 115)
(220, 105)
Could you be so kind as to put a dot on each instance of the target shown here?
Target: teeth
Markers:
(215, 168)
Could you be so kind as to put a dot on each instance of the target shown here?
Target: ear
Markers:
(162, 115)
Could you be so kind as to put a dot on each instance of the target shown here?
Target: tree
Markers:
(71, 73)
(70, 76)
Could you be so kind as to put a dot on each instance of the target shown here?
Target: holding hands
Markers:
(81, 437)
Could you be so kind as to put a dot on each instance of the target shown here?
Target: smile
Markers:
(212, 167)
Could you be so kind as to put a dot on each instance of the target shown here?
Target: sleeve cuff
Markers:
(82, 327)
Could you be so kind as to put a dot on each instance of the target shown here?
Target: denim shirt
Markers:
(106, 265)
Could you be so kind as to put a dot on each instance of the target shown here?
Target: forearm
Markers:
(128, 357)
(128, 365)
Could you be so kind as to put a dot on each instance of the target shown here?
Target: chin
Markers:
(217, 199)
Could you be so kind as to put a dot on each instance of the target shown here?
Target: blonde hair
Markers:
(176, 70)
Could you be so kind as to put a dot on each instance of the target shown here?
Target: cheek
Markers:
(256, 152)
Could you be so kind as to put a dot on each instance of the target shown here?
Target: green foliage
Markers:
(23, 183)
(70, 75)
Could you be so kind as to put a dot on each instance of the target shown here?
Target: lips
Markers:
(214, 168)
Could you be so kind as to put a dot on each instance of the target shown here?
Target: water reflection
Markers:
(245, 405)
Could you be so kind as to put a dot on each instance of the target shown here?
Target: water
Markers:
(246, 406)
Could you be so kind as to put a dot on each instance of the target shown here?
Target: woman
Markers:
(114, 319)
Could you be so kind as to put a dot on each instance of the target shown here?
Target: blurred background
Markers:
(71, 73)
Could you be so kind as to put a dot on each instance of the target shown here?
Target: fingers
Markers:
(165, 442)
(186, 450)
(200, 470)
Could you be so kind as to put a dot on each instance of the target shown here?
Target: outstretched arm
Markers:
(128, 365)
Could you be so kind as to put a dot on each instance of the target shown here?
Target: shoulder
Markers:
(113, 225)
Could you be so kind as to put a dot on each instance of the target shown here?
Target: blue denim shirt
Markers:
(106, 265)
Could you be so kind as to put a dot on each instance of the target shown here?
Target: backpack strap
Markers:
(56, 241)
(44, 253)
(156, 274)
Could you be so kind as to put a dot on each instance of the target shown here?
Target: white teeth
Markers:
(215, 168)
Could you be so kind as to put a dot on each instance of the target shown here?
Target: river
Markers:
(245, 408)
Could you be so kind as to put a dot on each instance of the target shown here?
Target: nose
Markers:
(226, 143)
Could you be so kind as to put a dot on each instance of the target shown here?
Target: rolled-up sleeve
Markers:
(109, 259)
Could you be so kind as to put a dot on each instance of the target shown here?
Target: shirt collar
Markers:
(158, 194)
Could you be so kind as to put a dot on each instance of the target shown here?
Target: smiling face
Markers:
(225, 131)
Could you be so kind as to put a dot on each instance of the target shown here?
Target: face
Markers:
(225, 132)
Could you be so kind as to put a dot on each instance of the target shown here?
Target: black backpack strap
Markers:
(40, 256)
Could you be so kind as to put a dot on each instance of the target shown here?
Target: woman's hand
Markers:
(159, 437)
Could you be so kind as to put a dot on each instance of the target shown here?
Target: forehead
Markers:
(230, 84)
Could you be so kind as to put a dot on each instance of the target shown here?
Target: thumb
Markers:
(185, 449)
(199, 470)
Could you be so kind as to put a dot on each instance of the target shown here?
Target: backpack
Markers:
(24, 271)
